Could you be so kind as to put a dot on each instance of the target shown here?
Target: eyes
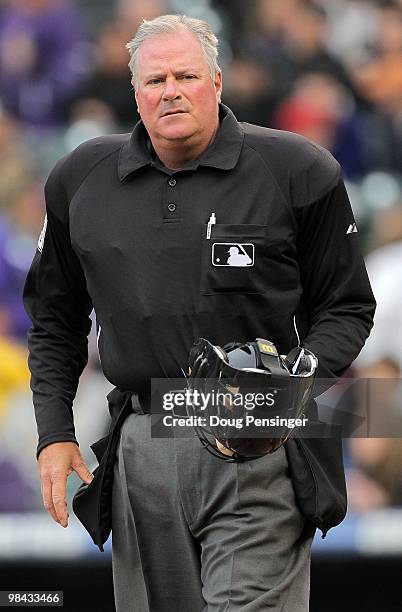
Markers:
(159, 80)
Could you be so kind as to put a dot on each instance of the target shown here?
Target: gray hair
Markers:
(168, 24)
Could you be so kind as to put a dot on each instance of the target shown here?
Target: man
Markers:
(132, 222)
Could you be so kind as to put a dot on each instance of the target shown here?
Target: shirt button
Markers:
(171, 207)
(172, 182)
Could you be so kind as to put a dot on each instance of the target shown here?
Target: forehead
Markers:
(178, 49)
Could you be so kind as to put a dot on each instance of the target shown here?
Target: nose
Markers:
(171, 91)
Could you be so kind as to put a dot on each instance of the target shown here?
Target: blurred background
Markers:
(328, 69)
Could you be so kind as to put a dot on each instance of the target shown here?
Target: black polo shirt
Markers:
(128, 237)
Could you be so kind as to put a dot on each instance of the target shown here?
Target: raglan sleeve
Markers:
(337, 302)
(58, 304)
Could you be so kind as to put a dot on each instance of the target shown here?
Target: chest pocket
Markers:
(234, 260)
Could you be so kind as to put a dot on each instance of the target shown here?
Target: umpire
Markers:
(139, 227)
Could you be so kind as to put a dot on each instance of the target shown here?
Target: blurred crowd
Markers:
(330, 70)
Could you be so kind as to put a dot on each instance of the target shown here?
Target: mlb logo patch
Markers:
(233, 254)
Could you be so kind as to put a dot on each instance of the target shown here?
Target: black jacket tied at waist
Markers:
(92, 503)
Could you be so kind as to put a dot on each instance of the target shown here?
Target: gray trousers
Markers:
(192, 533)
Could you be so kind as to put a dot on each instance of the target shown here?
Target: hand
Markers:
(56, 462)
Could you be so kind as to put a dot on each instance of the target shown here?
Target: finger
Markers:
(83, 472)
(59, 500)
(46, 489)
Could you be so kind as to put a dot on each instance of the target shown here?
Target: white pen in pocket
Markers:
(211, 222)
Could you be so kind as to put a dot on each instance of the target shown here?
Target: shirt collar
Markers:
(222, 153)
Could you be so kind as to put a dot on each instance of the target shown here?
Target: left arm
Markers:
(338, 305)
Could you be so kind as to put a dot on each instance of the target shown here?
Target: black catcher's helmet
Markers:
(246, 395)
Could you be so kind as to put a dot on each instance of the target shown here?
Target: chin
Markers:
(179, 129)
(177, 134)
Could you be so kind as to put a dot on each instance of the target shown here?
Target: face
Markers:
(176, 97)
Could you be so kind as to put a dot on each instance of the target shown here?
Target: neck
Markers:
(175, 155)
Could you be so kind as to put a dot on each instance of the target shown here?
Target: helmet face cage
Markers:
(213, 373)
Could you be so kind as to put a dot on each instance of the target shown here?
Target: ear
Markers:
(218, 85)
(136, 100)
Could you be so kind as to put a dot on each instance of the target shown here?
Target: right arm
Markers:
(58, 304)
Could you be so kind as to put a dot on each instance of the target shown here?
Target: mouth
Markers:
(169, 113)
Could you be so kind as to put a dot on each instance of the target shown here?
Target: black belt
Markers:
(144, 404)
